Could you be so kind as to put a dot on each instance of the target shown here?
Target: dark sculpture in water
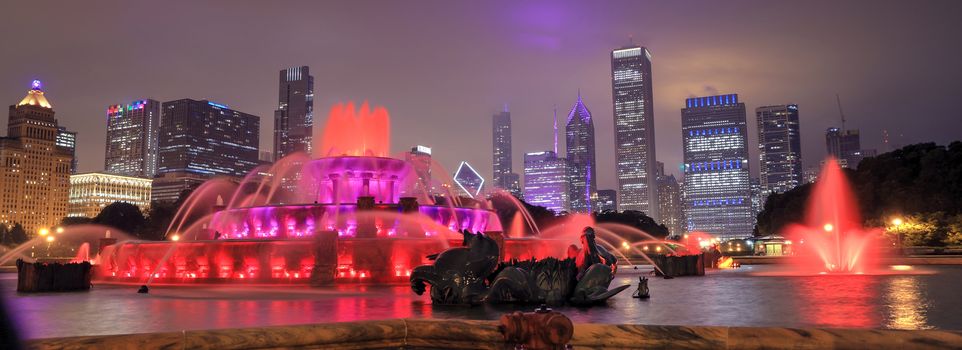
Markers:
(471, 274)
(458, 274)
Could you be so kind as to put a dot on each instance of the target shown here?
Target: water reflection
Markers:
(736, 297)
(847, 301)
(906, 303)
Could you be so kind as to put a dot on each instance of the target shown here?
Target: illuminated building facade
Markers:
(294, 117)
(780, 149)
(580, 153)
(132, 131)
(717, 180)
(91, 192)
(34, 170)
(168, 187)
(504, 177)
(420, 159)
(634, 118)
(845, 146)
(670, 203)
(546, 180)
(605, 200)
(468, 180)
(207, 138)
(67, 140)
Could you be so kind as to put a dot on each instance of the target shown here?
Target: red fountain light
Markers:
(832, 240)
(364, 132)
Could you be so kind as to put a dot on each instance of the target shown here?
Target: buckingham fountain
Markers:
(354, 215)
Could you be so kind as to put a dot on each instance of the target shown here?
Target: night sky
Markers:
(442, 68)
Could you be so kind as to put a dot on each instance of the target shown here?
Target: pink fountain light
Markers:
(832, 239)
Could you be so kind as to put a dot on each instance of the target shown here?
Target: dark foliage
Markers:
(123, 216)
(920, 179)
(634, 219)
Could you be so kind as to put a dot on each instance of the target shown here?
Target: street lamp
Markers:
(59, 229)
(828, 228)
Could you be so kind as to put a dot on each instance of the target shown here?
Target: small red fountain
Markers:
(832, 240)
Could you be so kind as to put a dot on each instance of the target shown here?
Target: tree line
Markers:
(921, 184)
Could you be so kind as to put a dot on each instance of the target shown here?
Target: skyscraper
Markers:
(670, 203)
(420, 160)
(546, 180)
(845, 146)
(34, 170)
(501, 147)
(605, 200)
(294, 117)
(68, 140)
(204, 137)
(634, 129)
(580, 152)
(780, 149)
(717, 181)
(132, 131)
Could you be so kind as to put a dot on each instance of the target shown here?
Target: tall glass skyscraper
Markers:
(204, 137)
(580, 149)
(132, 130)
(717, 182)
(780, 149)
(634, 117)
(294, 117)
(501, 149)
(546, 180)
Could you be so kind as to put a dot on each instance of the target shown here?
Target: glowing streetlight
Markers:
(828, 227)
(897, 221)
(50, 239)
(59, 230)
(175, 237)
(44, 232)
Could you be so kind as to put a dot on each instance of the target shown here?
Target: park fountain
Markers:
(353, 215)
(832, 239)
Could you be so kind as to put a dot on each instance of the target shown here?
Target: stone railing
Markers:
(462, 334)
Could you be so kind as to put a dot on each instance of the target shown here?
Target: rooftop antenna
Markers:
(840, 113)
(506, 107)
(556, 130)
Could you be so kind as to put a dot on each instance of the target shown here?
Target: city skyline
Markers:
(540, 44)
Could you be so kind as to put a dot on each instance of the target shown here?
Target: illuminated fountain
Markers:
(832, 240)
(353, 215)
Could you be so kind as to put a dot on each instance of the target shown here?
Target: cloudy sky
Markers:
(442, 68)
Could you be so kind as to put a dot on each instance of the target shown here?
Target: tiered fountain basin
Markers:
(379, 237)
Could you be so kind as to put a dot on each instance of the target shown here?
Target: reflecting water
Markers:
(728, 297)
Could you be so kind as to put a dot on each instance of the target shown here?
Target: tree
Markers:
(18, 235)
(914, 181)
(75, 220)
(158, 219)
(4, 235)
(123, 216)
(634, 219)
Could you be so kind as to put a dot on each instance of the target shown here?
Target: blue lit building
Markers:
(717, 181)
(546, 180)
(132, 130)
(203, 137)
(580, 152)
